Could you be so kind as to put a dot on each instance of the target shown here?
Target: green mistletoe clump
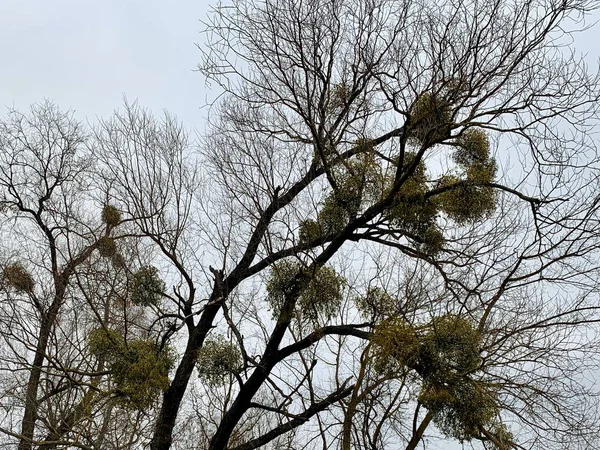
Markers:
(139, 369)
(359, 182)
(146, 287)
(319, 290)
(445, 355)
(216, 359)
(18, 277)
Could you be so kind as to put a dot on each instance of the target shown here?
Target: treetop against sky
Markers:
(384, 234)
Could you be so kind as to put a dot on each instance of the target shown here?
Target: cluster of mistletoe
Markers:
(217, 359)
(358, 183)
(319, 290)
(463, 195)
(146, 287)
(16, 276)
(139, 368)
(445, 355)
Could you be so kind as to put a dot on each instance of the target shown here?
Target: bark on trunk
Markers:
(31, 405)
(163, 432)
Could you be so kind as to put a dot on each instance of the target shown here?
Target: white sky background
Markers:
(87, 56)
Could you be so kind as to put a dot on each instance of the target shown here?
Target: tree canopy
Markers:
(388, 234)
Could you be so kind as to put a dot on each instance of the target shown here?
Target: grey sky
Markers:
(86, 55)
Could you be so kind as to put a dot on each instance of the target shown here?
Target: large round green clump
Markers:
(503, 438)
(450, 347)
(445, 354)
(396, 346)
(107, 247)
(216, 359)
(111, 215)
(339, 95)
(411, 209)
(465, 202)
(358, 181)
(469, 198)
(17, 277)
(460, 408)
(331, 219)
(106, 343)
(319, 290)
(473, 146)
(415, 213)
(430, 118)
(139, 368)
(445, 348)
(146, 287)
(141, 373)
(449, 356)
(473, 155)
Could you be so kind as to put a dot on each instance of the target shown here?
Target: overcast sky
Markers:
(87, 55)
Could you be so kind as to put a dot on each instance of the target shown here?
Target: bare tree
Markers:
(347, 126)
(42, 177)
(389, 232)
(76, 295)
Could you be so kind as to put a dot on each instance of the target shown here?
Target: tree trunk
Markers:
(163, 431)
(31, 405)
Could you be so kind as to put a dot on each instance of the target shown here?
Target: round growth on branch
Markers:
(364, 145)
(445, 354)
(432, 240)
(146, 287)
(319, 292)
(473, 146)
(466, 203)
(473, 155)
(448, 358)
(141, 373)
(450, 346)
(106, 343)
(358, 180)
(503, 437)
(331, 219)
(339, 95)
(111, 215)
(411, 210)
(17, 277)
(107, 247)
(396, 346)
(430, 119)
(460, 407)
(139, 368)
(216, 359)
